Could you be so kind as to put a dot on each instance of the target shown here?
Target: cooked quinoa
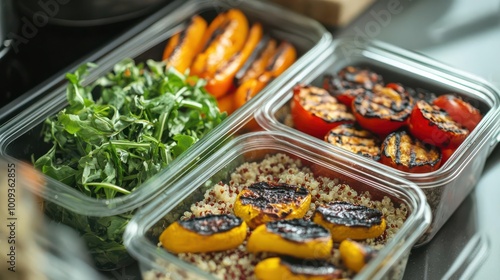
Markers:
(278, 168)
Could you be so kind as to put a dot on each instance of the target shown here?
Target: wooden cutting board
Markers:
(329, 12)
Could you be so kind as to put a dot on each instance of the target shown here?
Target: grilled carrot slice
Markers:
(283, 58)
(355, 139)
(225, 36)
(204, 234)
(297, 238)
(349, 82)
(403, 152)
(263, 202)
(183, 47)
(346, 220)
(253, 82)
(316, 112)
(298, 269)
(226, 104)
(355, 255)
(256, 65)
(249, 89)
(433, 125)
(223, 78)
(382, 110)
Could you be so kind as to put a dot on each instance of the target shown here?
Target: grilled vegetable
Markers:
(355, 255)
(257, 63)
(355, 139)
(382, 110)
(183, 47)
(421, 94)
(222, 81)
(297, 269)
(250, 88)
(226, 104)
(263, 202)
(459, 110)
(346, 220)
(298, 238)
(254, 82)
(315, 112)
(204, 234)
(225, 37)
(349, 82)
(403, 152)
(282, 58)
(434, 126)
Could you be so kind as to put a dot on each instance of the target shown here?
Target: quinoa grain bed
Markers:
(278, 168)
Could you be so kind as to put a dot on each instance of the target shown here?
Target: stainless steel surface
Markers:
(87, 12)
(436, 29)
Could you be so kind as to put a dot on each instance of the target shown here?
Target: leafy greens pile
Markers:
(143, 119)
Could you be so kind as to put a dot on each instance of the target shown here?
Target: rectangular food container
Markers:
(141, 235)
(102, 222)
(446, 187)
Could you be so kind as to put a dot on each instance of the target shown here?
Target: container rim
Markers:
(485, 135)
(144, 251)
(75, 201)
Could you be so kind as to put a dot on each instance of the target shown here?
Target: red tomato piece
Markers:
(434, 126)
(382, 110)
(459, 110)
(402, 151)
(315, 112)
(349, 82)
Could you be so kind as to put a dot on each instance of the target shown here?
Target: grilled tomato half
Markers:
(298, 269)
(346, 220)
(383, 110)
(315, 111)
(402, 151)
(349, 82)
(263, 202)
(353, 138)
(434, 126)
(204, 234)
(297, 238)
(459, 110)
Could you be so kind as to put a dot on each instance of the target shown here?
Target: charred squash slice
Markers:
(297, 269)
(297, 238)
(355, 255)
(183, 47)
(355, 139)
(225, 37)
(346, 220)
(204, 234)
(263, 202)
(406, 153)
(222, 81)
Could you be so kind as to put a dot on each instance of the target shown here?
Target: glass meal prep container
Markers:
(101, 222)
(446, 187)
(235, 161)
